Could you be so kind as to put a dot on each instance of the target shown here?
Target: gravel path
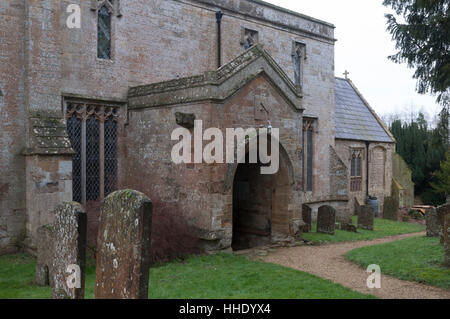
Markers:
(328, 262)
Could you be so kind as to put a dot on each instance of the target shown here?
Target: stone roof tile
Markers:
(354, 119)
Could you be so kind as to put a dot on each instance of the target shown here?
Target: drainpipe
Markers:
(367, 170)
(219, 16)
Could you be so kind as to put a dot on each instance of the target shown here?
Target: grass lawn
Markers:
(414, 259)
(383, 228)
(222, 276)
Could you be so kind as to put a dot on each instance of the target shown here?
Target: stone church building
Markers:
(86, 111)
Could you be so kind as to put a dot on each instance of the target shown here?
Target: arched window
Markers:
(358, 165)
(353, 166)
(92, 128)
(104, 33)
(308, 153)
(356, 170)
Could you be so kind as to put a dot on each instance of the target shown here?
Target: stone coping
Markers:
(217, 85)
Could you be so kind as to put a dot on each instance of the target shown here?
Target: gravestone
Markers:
(447, 240)
(349, 227)
(442, 211)
(390, 208)
(69, 256)
(356, 207)
(366, 217)
(434, 222)
(343, 215)
(123, 246)
(298, 228)
(326, 220)
(306, 215)
(45, 250)
(60, 245)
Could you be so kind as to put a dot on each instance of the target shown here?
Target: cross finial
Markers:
(346, 73)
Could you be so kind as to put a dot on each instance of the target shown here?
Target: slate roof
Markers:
(354, 119)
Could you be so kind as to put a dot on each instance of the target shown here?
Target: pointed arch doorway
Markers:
(252, 207)
(261, 204)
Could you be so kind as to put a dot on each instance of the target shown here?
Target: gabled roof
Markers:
(355, 119)
(219, 85)
(48, 136)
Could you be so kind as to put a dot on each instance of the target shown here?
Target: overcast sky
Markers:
(362, 48)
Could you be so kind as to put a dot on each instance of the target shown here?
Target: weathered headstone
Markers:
(442, 211)
(447, 240)
(45, 250)
(343, 215)
(61, 245)
(69, 257)
(366, 217)
(298, 228)
(349, 227)
(434, 222)
(306, 215)
(326, 220)
(123, 246)
(390, 208)
(356, 207)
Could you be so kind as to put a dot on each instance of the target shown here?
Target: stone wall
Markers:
(380, 159)
(152, 41)
(49, 183)
(12, 126)
(379, 182)
(403, 185)
(161, 34)
(202, 193)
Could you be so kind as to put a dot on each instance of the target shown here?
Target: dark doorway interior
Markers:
(252, 207)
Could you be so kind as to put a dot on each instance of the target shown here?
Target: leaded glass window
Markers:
(92, 159)
(92, 129)
(110, 156)
(74, 130)
(353, 166)
(356, 162)
(104, 34)
(356, 169)
(309, 160)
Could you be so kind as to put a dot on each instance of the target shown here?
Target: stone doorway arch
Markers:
(261, 203)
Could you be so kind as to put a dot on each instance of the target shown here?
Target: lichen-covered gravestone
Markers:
(69, 256)
(123, 246)
(447, 240)
(442, 211)
(356, 207)
(366, 217)
(434, 221)
(60, 246)
(349, 227)
(326, 220)
(390, 208)
(298, 228)
(45, 250)
(306, 215)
